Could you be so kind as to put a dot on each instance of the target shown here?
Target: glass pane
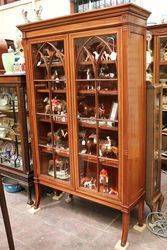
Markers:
(149, 57)
(97, 98)
(163, 61)
(51, 109)
(10, 148)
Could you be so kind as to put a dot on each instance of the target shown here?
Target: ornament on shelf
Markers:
(105, 56)
(25, 16)
(103, 179)
(55, 76)
(149, 57)
(35, 13)
(89, 182)
(96, 55)
(149, 77)
(102, 111)
(108, 148)
(88, 73)
(55, 105)
(112, 191)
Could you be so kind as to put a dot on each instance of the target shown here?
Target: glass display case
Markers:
(14, 142)
(88, 109)
(154, 197)
(159, 35)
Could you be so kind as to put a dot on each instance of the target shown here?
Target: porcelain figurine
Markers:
(105, 56)
(107, 148)
(104, 180)
(113, 56)
(86, 110)
(149, 77)
(87, 58)
(3, 132)
(25, 16)
(58, 106)
(55, 76)
(62, 169)
(88, 73)
(88, 182)
(149, 57)
(101, 111)
(101, 74)
(112, 191)
(96, 55)
(165, 56)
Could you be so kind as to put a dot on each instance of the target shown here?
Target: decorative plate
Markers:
(5, 99)
(9, 148)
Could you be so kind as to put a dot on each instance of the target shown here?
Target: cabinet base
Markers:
(140, 228)
(118, 246)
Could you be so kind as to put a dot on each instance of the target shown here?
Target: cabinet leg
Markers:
(37, 195)
(141, 213)
(69, 198)
(29, 193)
(125, 228)
(160, 202)
(7, 223)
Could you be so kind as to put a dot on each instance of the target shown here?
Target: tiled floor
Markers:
(81, 225)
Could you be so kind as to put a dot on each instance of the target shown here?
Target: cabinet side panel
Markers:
(135, 117)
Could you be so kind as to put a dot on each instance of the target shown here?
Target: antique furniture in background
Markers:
(154, 197)
(4, 45)
(6, 217)
(14, 144)
(159, 73)
(87, 99)
(3, 2)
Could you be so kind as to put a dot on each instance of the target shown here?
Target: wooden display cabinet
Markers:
(154, 197)
(159, 75)
(87, 96)
(14, 145)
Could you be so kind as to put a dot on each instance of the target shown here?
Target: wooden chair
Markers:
(6, 217)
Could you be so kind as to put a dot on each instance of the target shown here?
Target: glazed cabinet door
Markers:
(10, 128)
(95, 86)
(50, 86)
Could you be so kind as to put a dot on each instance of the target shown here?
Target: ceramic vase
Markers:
(8, 62)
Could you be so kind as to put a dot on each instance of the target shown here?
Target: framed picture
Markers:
(114, 112)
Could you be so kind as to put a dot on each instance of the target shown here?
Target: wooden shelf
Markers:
(97, 80)
(163, 63)
(99, 62)
(102, 160)
(89, 157)
(108, 128)
(109, 162)
(57, 91)
(87, 125)
(48, 80)
(49, 120)
(87, 92)
(56, 64)
(108, 92)
(58, 151)
(100, 92)
(10, 140)
(163, 158)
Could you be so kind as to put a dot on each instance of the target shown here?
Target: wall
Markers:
(10, 15)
